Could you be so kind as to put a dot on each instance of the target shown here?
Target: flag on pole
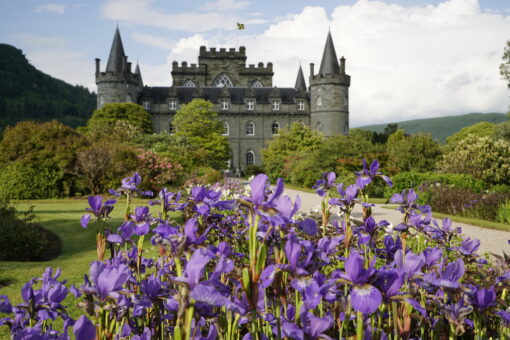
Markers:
(240, 26)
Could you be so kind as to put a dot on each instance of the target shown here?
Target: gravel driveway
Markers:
(495, 241)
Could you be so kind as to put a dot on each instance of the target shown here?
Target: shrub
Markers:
(158, 171)
(23, 240)
(205, 176)
(19, 180)
(252, 170)
(504, 212)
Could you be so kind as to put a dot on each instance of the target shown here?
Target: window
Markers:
(101, 99)
(256, 83)
(275, 128)
(250, 105)
(346, 128)
(250, 158)
(226, 129)
(319, 101)
(172, 105)
(318, 127)
(224, 105)
(222, 81)
(146, 104)
(128, 99)
(189, 83)
(301, 106)
(250, 129)
(346, 101)
(171, 128)
(276, 105)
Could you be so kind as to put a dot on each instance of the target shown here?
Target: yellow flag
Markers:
(240, 26)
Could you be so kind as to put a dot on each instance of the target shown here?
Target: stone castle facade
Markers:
(251, 109)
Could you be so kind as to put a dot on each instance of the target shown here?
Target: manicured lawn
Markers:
(63, 218)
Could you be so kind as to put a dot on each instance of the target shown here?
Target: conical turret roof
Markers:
(116, 58)
(329, 63)
(139, 74)
(300, 80)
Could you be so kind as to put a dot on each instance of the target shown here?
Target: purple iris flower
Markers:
(365, 298)
(318, 288)
(108, 279)
(142, 220)
(293, 252)
(449, 278)
(131, 183)
(348, 197)
(432, 256)
(505, 316)
(286, 210)
(195, 267)
(484, 298)
(323, 185)
(390, 282)
(410, 265)
(456, 313)
(327, 247)
(262, 203)
(5, 305)
(191, 232)
(366, 176)
(83, 329)
(168, 200)
(124, 233)
(97, 209)
(469, 246)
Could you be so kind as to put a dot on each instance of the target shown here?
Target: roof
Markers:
(300, 80)
(139, 74)
(185, 94)
(116, 58)
(329, 63)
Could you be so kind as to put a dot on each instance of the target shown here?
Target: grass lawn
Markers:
(63, 218)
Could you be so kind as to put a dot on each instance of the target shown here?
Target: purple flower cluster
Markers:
(252, 268)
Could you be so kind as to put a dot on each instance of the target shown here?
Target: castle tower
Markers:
(117, 84)
(329, 97)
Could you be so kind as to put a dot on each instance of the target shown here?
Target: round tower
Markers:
(329, 99)
(117, 84)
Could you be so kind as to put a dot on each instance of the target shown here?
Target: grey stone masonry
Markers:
(252, 110)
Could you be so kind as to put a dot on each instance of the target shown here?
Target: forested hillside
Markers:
(29, 94)
(443, 127)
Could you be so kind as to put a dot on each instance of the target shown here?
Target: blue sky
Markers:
(407, 58)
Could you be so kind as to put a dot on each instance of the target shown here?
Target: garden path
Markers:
(495, 241)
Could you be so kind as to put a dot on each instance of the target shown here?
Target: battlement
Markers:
(184, 68)
(260, 69)
(106, 77)
(338, 79)
(222, 53)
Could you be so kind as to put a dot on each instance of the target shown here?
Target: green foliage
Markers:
(205, 176)
(483, 158)
(504, 67)
(200, 131)
(132, 117)
(23, 240)
(502, 131)
(504, 212)
(423, 181)
(482, 129)
(417, 152)
(290, 142)
(441, 127)
(20, 180)
(253, 170)
(29, 94)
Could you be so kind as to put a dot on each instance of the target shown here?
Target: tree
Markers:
(417, 152)
(296, 139)
(130, 116)
(482, 129)
(504, 68)
(196, 124)
(483, 158)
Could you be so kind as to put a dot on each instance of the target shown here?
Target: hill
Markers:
(29, 94)
(442, 127)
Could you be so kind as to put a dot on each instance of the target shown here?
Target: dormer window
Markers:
(301, 106)
(224, 105)
(147, 104)
(250, 105)
(172, 105)
(276, 105)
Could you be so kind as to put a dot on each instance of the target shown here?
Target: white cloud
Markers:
(53, 56)
(51, 7)
(152, 40)
(405, 62)
(225, 5)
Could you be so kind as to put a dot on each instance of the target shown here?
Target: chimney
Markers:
(311, 69)
(129, 67)
(342, 65)
(98, 61)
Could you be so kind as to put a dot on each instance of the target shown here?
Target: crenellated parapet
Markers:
(184, 68)
(260, 69)
(222, 53)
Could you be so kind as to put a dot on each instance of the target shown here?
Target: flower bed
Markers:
(247, 265)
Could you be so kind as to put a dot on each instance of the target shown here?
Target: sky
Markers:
(408, 59)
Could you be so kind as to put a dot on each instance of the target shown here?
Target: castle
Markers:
(251, 109)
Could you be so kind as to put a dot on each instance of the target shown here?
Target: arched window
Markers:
(275, 128)
(319, 101)
(189, 83)
(222, 80)
(250, 129)
(171, 128)
(250, 158)
(226, 129)
(256, 83)
(318, 127)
